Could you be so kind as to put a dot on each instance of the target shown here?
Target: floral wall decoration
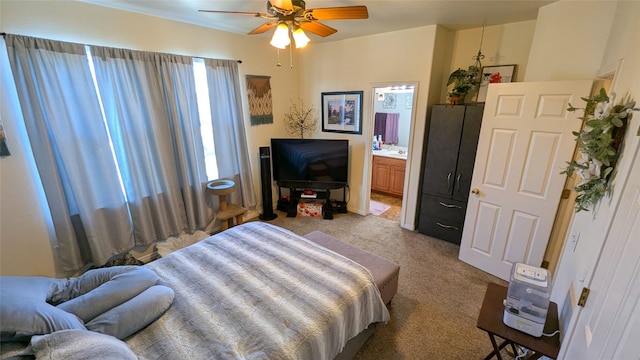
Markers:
(599, 141)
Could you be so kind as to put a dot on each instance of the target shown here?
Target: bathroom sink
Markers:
(393, 153)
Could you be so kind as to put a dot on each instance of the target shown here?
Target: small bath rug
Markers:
(377, 208)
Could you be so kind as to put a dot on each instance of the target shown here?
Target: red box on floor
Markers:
(310, 207)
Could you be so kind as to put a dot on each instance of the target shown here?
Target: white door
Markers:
(525, 142)
(607, 327)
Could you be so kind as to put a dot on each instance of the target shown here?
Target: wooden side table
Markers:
(490, 320)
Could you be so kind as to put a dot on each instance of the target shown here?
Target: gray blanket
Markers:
(257, 291)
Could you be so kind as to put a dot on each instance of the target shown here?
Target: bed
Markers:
(258, 291)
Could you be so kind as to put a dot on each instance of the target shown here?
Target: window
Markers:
(206, 128)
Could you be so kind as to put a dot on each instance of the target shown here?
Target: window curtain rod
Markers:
(3, 34)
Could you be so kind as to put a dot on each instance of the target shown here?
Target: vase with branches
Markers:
(300, 119)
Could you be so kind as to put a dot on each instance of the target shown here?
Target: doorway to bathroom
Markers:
(392, 114)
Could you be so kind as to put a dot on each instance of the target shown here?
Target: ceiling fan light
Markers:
(301, 39)
(280, 37)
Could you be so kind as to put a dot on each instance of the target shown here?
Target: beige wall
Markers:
(568, 40)
(25, 234)
(358, 64)
(578, 263)
(505, 44)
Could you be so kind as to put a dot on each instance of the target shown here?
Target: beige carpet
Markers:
(434, 314)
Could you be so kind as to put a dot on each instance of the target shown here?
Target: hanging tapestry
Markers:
(260, 106)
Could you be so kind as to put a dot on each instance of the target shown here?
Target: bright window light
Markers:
(206, 128)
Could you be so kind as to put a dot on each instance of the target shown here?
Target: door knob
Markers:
(475, 191)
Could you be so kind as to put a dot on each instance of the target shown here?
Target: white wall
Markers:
(576, 267)
(24, 234)
(569, 40)
(357, 64)
(26, 248)
(504, 44)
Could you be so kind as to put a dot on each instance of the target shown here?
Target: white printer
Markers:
(527, 299)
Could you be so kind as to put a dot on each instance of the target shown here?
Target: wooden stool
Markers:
(227, 212)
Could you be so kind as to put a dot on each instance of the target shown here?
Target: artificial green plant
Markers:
(598, 142)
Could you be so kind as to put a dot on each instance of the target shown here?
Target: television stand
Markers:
(299, 192)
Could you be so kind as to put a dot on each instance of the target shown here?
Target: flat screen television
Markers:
(310, 163)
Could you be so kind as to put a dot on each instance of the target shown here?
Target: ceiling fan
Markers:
(292, 16)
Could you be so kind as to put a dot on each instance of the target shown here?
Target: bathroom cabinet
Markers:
(387, 175)
(450, 151)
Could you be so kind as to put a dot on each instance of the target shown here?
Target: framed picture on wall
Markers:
(342, 112)
(494, 74)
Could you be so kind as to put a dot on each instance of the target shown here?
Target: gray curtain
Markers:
(150, 146)
(228, 128)
(151, 108)
(71, 149)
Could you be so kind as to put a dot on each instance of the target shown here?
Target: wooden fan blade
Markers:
(317, 28)
(338, 13)
(263, 28)
(282, 4)
(256, 14)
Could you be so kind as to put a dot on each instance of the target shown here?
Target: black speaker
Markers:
(265, 175)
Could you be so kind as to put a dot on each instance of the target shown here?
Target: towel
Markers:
(391, 128)
(380, 125)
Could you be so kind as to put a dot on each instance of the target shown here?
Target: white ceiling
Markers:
(384, 15)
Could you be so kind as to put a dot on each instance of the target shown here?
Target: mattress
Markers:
(258, 291)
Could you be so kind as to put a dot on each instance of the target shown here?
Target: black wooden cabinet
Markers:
(451, 144)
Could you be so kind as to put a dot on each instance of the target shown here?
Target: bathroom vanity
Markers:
(388, 171)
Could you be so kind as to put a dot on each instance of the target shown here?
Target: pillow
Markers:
(24, 309)
(135, 314)
(79, 345)
(97, 291)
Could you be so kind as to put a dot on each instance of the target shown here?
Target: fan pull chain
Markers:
(290, 57)
(278, 64)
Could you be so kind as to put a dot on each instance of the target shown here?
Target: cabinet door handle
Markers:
(450, 206)
(458, 181)
(449, 182)
(447, 226)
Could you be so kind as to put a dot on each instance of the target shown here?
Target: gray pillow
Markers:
(117, 301)
(97, 291)
(79, 345)
(24, 309)
(135, 314)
